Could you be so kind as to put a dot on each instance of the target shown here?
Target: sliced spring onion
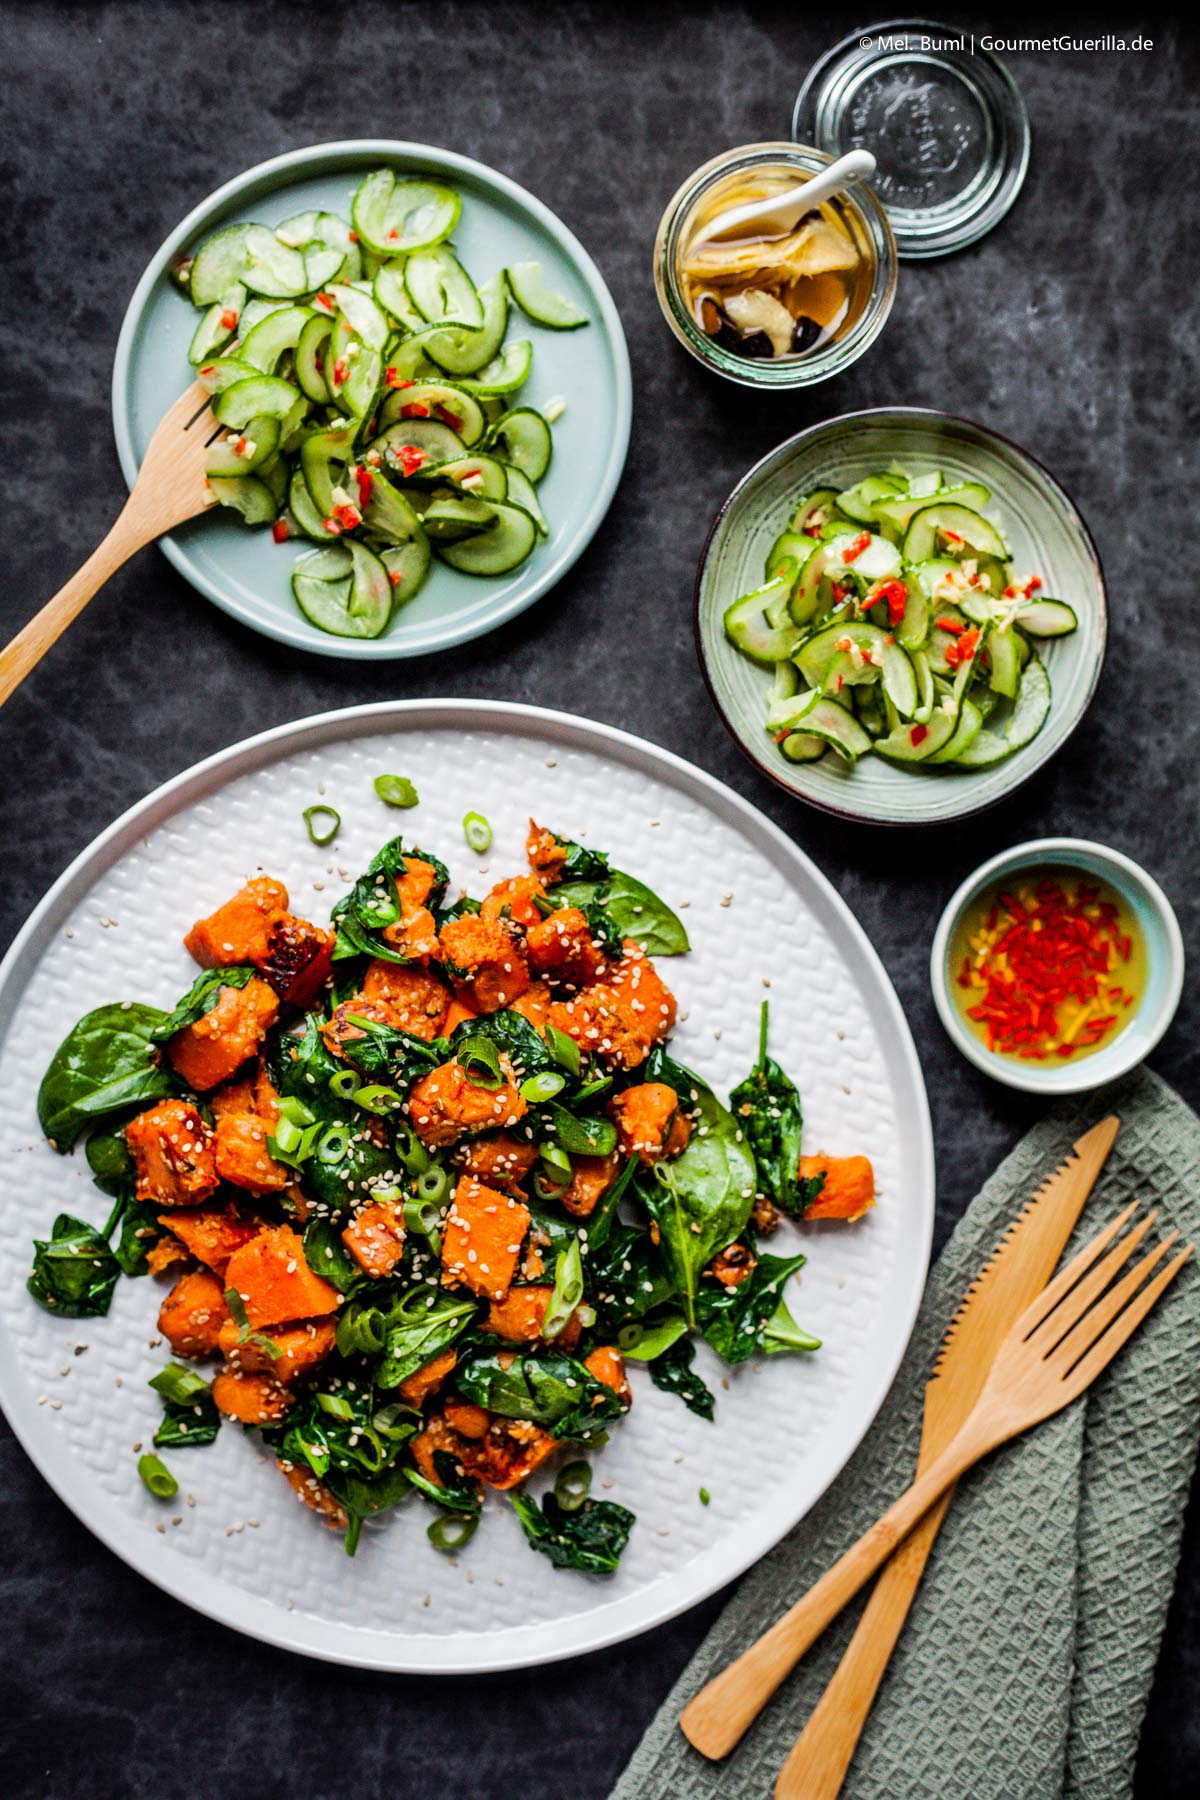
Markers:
(573, 1485)
(237, 1309)
(542, 1087)
(345, 1084)
(333, 1145)
(361, 1328)
(335, 1406)
(563, 1049)
(452, 1531)
(325, 832)
(567, 1292)
(556, 1157)
(378, 1098)
(551, 1184)
(410, 1151)
(294, 1110)
(583, 1137)
(477, 832)
(433, 1186)
(705, 1497)
(396, 790)
(421, 1217)
(480, 1061)
(177, 1385)
(395, 1421)
(157, 1477)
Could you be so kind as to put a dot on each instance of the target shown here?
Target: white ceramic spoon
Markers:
(779, 213)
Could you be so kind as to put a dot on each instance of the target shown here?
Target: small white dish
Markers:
(1164, 953)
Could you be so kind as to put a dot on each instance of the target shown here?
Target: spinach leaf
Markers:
(326, 1255)
(512, 1033)
(551, 1390)
(581, 863)
(420, 1327)
(201, 997)
(140, 1231)
(345, 1165)
(626, 1278)
(462, 908)
(767, 1106)
(781, 1333)
(733, 1318)
(673, 1372)
(634, 911)
(458, 1493)
(105, 1063)
(190, 1415)
(599, 1223)
(702, 1199)
(591, 1538)
(642, 1343)
(342, 1431)
(109, 1160)
(579, 1135)
(74, 1271)
(361, 916)
(386, 1051)
(362, 1498)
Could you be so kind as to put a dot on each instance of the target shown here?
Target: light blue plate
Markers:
(243, 570)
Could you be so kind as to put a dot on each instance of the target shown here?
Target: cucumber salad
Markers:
(894, 621)
(371, 396)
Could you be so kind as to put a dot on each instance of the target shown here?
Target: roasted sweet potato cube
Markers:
(649, 1122)
(514, 899)
(427, 1380)
(314, 1493)
(608, 1365)
(601, 1026)
(456, 1012)
(546, 855)
(445, 1106)
(165, 1253)
(215, 1047)
(239, 931)
(534, 1004)
(211, 1233)
(642, 995)
(415, 999)
(341, 1028)
(509, 1450)
(174, 1154)
(284, 1352)
(254, 1399)
(591, 1178)
(191, 1316)
(375, 1238)
(498, 1158)
(484, 960)
(463, 1416)
(849, 1186)
(481, 1239)
(561, 948)
(519, 1317)
(416, 933)
(275, 1282)
(243, 1158)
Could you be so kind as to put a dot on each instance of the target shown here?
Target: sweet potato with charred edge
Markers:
(416, 1000)
(561, 948)
(191, 1316)
(427, 1379)
(546, 855)
(215, 1047)
(514, 899)
(174, 1154)
(299, 1348)
(608, 1365)
(274, 1281)
(498, 1158)
(254, 1399)
(591, 1178)
(341, 1029)
(649, 1122)
(519, 1317)
(314, 1493)
(849, 1187)
(445, 1105)
(297, 959)
(484, 960)
(239, 931)
(509, 1451)
(211, 1233)
(481, 1239)
(375, 1238)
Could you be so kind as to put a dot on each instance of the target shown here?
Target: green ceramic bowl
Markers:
(1045, 531)
(1164, 956)
(247, 574)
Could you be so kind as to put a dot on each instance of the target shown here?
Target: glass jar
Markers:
(862, 217)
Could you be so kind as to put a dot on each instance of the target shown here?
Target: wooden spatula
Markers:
(169, 489)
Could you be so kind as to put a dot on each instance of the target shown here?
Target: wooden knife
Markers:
(1020, 1267)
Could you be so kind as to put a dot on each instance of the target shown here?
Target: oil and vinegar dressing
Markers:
(1048, 965)
(774, 296)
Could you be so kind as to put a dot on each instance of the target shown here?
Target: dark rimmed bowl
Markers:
(1047, 536)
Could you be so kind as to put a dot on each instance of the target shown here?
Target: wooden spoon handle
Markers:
(721, 1712)
(821, 1755)
(31, 643)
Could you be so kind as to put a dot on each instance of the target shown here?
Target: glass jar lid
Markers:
(944, 119)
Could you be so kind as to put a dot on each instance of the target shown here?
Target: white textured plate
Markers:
(110, 929)
(244, 571)
(1045, 533)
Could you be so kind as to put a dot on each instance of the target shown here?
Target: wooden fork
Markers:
(170, 488)
(1057, 1347)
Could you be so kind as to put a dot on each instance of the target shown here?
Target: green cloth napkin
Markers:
(1027, 1659)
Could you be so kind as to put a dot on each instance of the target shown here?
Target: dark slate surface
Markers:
(1068, 328)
